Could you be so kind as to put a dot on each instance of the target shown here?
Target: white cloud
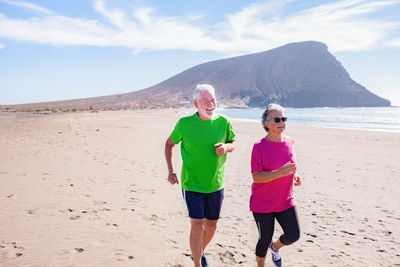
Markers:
(395, 43)
(343, 25)
(27, 5)
(1, 46)
(340, 25)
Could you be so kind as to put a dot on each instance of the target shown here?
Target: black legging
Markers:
(265, 224)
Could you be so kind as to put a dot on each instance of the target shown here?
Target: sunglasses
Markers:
(278, 120)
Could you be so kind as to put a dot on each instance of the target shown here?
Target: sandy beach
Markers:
(90, 189)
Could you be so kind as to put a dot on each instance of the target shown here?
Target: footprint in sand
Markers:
(105, 209)
(99, 202)
(171, 240)
(312, 235)
(227, 257)
(346, 232)
(153, 218)
(34, 211)
(13, 247)
(133, 200)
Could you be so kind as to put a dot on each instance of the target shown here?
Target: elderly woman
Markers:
(273, 167)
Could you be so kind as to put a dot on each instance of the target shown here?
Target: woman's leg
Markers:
(265, 226)
(290, 225)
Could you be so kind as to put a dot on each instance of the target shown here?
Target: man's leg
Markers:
(210, 226)
(212, 211)
(195, 203)
(196, 239)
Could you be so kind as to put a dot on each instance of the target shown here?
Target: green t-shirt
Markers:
(202, 169)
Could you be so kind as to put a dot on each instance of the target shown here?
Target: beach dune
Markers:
(90, 189)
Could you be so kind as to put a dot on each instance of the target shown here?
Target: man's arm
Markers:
(169, 145)
(221, 148)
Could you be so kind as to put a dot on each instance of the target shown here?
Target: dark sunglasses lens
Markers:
(278, 120)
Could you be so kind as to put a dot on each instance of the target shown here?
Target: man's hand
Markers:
(220, 149)
(172, 179)
(297, 180)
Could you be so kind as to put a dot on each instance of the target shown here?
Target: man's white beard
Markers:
(205, 114)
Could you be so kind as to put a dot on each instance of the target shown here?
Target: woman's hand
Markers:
(288, 169)
(297, 180)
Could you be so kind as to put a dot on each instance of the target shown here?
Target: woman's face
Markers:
(272, 125)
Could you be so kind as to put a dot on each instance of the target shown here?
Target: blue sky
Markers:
(65, 49)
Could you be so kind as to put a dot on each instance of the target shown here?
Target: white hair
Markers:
(203, 88)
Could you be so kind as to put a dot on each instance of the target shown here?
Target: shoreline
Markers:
(320, 126)
(303, 123)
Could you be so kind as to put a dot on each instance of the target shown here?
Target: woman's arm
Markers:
(265, 176)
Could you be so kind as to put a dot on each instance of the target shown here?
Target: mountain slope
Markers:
(300, 74)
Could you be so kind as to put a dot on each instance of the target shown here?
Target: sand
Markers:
(90, 189)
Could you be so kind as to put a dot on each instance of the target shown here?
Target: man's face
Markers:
(206, 105)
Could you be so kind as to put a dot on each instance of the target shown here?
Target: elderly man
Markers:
(206, 138)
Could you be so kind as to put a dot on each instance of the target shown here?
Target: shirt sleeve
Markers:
(230, 133)
(176, 135)
(256, 160)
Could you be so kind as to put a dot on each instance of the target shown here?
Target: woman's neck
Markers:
(274, 137)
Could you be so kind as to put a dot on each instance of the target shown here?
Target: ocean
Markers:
(385, 119)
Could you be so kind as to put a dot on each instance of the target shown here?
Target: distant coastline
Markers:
(384, 119)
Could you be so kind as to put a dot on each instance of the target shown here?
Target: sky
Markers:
(68, 49)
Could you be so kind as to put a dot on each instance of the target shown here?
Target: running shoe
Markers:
(204, 262)
(276, 257)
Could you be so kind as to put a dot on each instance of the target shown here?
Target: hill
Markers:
(298, 75)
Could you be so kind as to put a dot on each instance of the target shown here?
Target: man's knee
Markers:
(197, 226)
(210, 225)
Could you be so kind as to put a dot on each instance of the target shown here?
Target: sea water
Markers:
(377, 118)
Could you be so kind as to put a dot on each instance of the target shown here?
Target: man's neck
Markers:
(203, 118)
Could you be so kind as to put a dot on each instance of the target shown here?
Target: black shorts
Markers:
(203, 205)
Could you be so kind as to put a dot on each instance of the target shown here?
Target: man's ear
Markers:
(195, 103)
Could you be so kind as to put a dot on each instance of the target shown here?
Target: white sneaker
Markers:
(276, 257)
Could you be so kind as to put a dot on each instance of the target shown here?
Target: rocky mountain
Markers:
(300, 74)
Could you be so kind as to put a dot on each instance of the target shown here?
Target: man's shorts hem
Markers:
(203, 205)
